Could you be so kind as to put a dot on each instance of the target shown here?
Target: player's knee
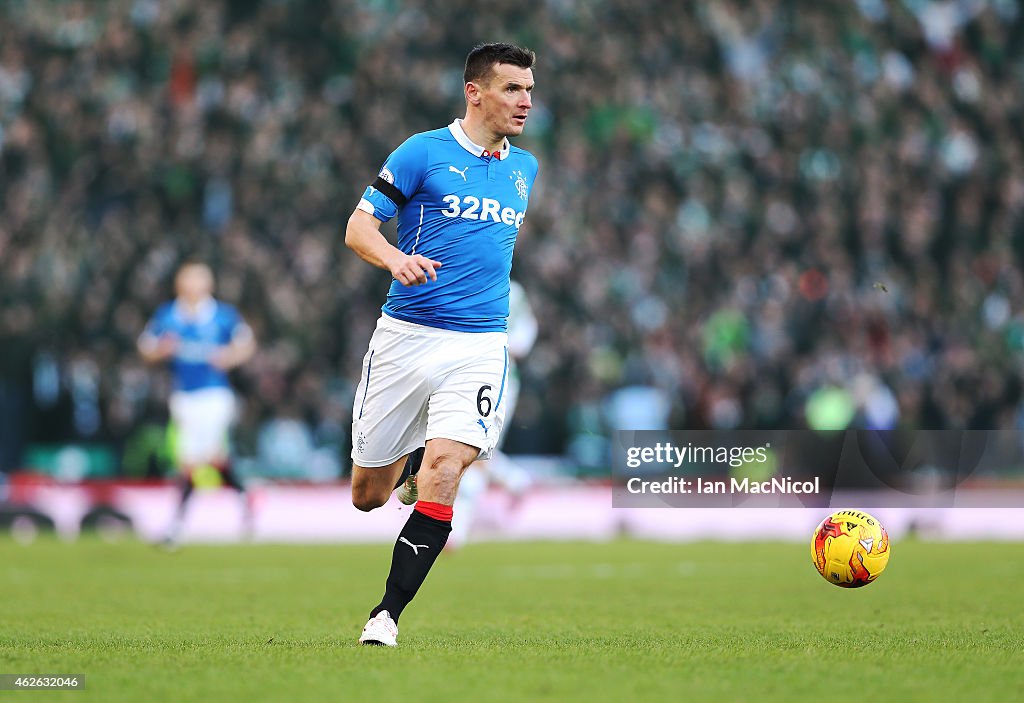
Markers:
(366, 503)
(366, 500)
(448, 465)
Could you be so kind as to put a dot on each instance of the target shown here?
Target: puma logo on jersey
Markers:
(415, 547)
(461, 173)
(471, 207)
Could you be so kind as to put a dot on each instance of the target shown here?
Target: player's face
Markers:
(194, 284)
(505, 100)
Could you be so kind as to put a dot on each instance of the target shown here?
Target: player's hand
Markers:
(166, 346)
(223, 358)
(413, 270)
(219, 358)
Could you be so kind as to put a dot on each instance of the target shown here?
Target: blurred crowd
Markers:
(750, 213)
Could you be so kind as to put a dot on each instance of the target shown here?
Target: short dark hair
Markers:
(482, 59)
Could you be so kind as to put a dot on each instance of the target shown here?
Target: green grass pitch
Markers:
(513, 622)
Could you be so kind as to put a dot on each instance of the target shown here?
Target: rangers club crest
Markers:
(521, 187)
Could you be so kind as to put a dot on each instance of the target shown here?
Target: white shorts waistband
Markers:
(390, 323)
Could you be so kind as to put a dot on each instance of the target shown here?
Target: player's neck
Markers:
(479, 134)
(193, 308)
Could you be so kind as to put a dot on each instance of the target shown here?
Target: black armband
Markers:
(391, 191)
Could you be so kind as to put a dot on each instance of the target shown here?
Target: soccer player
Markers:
(203, 339)
(434, 376)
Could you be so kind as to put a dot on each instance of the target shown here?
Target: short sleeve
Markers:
(234, 327)
(157, 326)
(401, 176)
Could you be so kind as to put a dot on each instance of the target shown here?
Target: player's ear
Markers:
(473, 94)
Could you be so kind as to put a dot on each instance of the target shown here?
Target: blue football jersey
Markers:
(215, 325)
(460, 205)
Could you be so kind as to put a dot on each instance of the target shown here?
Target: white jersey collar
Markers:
(472, 147)
(204, 312)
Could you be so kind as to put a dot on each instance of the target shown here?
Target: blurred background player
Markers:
(522, 333)
(203, 339)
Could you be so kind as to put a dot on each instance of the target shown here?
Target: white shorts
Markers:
(202, 419)
(421, 383)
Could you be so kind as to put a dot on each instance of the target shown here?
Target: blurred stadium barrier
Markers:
(579, 511)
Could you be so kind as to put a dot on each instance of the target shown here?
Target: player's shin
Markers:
(418, 545)
(186, 487)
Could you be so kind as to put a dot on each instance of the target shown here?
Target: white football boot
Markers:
(380, 631)
(408, 493)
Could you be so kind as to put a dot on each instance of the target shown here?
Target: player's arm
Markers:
(363, 236)
(155, 345)
(238, 351)
(155, 350)
(398, 181)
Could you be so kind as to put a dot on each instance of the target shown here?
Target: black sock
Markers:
(231, 480)
(186, 493)
(418, 545)
(412, 465)
(179, 514)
